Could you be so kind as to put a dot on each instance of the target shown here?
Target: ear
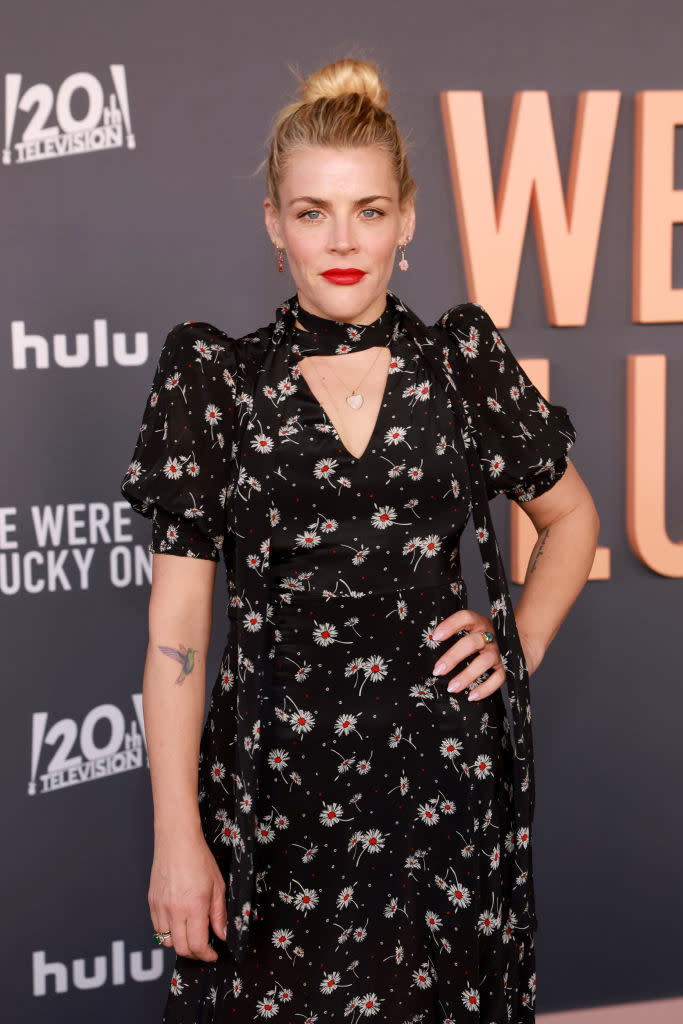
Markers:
(407, 222)
(272, 219)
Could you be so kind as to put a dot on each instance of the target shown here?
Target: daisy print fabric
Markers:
(384, 849)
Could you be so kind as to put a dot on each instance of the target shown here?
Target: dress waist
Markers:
(328, 576)
(300, 588)
(302, 594)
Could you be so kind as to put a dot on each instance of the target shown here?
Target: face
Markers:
(339, 210)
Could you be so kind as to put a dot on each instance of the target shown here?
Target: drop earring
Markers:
(280, 259)
(403, 262)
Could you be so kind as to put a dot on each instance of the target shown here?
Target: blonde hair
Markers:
(342, 104)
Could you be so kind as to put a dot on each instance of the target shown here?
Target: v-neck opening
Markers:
(385, 392)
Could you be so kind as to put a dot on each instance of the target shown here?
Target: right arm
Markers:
(179, 477)
(186, 887)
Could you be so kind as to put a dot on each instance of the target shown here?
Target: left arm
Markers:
(567, 525)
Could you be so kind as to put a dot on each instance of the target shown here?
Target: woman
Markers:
(365, 805)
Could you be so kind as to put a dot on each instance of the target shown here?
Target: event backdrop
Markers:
(131, 200)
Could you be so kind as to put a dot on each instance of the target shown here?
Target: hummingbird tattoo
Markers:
(186, 657)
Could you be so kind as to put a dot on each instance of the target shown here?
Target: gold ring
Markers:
(488, 637)
(160, 936)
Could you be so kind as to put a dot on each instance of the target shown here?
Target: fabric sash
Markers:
(509, 643)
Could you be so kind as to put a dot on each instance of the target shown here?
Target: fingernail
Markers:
(438, 669)
(438, 633)
(473, 695)
(225, 932)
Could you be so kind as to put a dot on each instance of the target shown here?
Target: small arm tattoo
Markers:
(540, 550)
(187, 657)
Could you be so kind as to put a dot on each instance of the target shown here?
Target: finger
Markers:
(156, 915)
(178, 929)
(219, 913)
(471, 643)
(198, 937)
(463, 619)
(493, 683)
(484, 661)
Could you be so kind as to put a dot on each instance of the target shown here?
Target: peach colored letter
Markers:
(492, 231)
(646, 466)
(657, 206)
(522, 532)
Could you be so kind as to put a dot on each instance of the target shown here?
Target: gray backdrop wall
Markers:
(161, 221)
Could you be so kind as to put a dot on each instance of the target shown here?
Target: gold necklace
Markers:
(355, 398)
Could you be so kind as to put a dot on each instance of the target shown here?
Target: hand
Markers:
(186, 891)
(484, 655)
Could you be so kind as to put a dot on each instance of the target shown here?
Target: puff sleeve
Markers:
(180, 472)
(523, 440)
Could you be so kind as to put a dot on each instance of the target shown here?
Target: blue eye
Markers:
(315, 214)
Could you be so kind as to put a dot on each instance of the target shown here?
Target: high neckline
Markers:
(323, 336)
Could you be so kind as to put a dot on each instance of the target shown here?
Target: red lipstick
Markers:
(348, 276)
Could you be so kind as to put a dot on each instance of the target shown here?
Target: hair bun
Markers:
(343, 77)
(340, 105)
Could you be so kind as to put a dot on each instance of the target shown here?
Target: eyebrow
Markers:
(323, 202)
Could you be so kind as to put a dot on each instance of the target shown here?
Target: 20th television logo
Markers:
(98, 127)
(68, 754)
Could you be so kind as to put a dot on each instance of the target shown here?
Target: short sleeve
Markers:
(179, 475)
(523, 439)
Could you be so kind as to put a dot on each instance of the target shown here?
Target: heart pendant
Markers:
(355, 401)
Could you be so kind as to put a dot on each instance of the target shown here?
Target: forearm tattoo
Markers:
(185, 655)
(540, 550)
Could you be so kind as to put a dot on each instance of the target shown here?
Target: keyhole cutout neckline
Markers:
(366, 404)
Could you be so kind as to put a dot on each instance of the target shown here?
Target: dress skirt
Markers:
(385, 836)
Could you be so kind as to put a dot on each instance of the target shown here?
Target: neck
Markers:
(362, 318)
(325, 336)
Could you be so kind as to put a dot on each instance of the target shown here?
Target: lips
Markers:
(350, 275)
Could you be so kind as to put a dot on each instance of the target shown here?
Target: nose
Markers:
(342, 238)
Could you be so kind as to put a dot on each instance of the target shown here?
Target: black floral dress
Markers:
(384, 844)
